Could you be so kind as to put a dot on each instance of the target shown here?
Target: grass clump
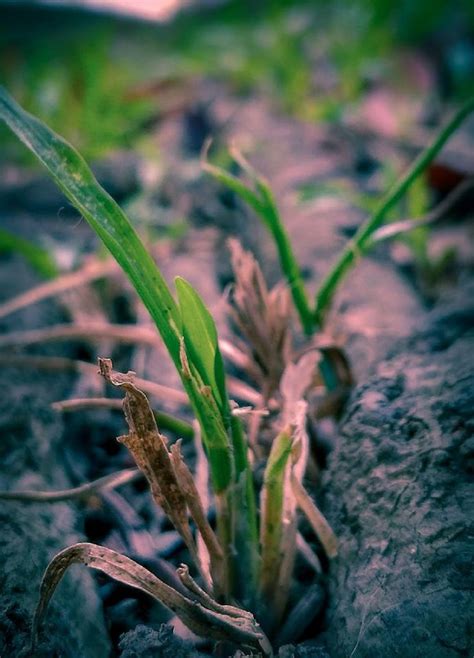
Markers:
(243, 566)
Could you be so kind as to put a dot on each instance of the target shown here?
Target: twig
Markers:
(83, 491)
(92, 331)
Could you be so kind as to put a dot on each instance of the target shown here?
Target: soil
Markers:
(399, 494)
(32, 458)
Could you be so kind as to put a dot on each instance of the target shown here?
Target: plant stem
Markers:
(358, 244)
(245, 515)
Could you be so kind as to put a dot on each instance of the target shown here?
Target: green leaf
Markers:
(214, 435)
(361, 242)
(36, 256)
(75, 179)
(261, 200)
(200, 336)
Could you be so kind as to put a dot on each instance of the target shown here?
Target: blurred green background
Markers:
(100, 78)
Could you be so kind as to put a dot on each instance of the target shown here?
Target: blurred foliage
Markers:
(311, 58)
(66, 74)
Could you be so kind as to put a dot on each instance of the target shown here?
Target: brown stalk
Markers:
(94, 269)
(62, 364)
(89, 332)
(317, 521)
(82, 492)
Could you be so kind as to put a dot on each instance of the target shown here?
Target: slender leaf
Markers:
(272, 512)
(318, 522)
(263, 203)
(75, 179)
(214, 434)
(360, 242)
(36, 256)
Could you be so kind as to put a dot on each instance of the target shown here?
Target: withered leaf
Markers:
(149, 449)
(202, 620)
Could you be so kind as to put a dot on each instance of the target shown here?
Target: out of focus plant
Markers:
(72, 80)
(259, 196)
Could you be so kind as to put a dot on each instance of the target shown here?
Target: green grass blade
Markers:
(214, 433)
(358, 245)
(36, 256)
(263, 203)
(75, 179)
(234, 184)
(288, 261)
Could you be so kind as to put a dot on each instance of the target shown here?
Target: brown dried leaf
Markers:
(202, 620)
(150, 452)
(297, 379)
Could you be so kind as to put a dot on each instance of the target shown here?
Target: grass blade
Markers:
(36, 256)
(263, 203)
(75, 179)
(358, 245)
(317, 521)
(200, 337)
(272, 512)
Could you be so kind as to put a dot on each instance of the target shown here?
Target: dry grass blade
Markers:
(62, 364)
(196, 509)
(299, 459)
(201, 620)
(438, 212)
(296, 380)
(206, 600)
(263, 317)
(82, 492)
(319, 524)
(150, 452)
(91, 331)
(91, 271)
(178, 426)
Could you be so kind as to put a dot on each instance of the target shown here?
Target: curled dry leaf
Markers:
(205, 621)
